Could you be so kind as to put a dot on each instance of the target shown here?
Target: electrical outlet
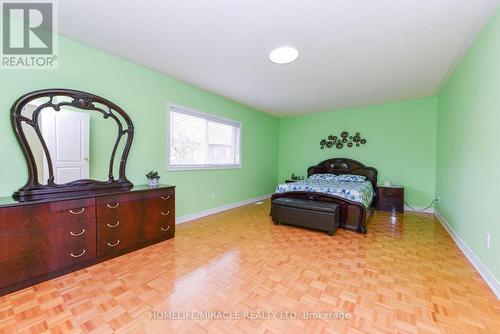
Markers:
(487, 240)
(212, 195)
(438, 198)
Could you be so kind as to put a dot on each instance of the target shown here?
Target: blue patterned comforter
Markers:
(361, 192)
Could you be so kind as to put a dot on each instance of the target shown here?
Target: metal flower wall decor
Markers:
(343, 140)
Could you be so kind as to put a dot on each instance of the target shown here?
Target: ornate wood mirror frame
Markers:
(33, 189)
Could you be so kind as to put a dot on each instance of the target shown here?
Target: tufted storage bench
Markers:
(323, 216)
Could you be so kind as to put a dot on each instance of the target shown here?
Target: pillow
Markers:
(350, 178)
(323, 177)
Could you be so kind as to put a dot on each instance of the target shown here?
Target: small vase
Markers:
(153, 183)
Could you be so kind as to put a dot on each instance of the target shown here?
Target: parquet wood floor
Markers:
(405, 276)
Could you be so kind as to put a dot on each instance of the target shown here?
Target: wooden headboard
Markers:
(344, 166)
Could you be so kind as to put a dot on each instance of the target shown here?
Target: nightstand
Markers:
(390, 198)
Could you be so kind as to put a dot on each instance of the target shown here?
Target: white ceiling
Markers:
(352, 52)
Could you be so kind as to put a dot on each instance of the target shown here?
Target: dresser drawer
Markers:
(74, 210)
(73, 228)
(391, 192)
(160, 217)
(128, 220)
(116, 225)
(123, 206)
(160, 221)
(163, 194)
(113, 241)
(37, 239)
(77, 242)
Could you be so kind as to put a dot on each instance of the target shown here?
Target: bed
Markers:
(356, 199)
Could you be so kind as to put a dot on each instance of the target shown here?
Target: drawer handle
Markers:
(165, 229)
(113, 244)
(78, 255)
(165, 198)
(113, 206)
(77, 234)
(77, 212)
(115, 225)
(165, 214)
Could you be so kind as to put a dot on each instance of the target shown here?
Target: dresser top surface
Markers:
(10, 201)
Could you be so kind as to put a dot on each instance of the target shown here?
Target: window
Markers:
(201, 141)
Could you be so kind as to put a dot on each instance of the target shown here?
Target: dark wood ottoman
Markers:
(316, 215)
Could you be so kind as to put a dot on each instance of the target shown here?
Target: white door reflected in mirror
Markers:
(67, 137)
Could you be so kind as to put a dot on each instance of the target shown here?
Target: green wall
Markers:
(143, 93)
(468, 150)
(401, 143)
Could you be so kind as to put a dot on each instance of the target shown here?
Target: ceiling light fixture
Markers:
(283, 54)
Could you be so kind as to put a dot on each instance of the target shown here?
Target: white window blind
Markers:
(202, 141)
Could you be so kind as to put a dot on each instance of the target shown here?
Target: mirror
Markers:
(72, 141)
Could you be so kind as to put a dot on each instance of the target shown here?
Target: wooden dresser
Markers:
(43, 239)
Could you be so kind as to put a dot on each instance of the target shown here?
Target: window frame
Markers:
(209, 117)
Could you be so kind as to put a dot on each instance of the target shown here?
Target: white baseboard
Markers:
(485, 273)
(419, 209)
(196, 215)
